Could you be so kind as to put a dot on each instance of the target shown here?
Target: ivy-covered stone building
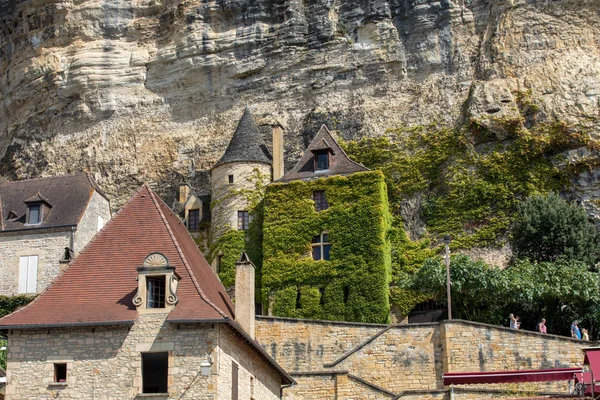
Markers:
(318, 235)
(326, 252)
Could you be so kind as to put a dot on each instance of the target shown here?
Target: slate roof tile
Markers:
(68, 195)
(339, 162)
(246, 145)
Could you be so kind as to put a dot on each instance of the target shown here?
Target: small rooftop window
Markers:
(155, 286)
(322, 161)
(34, 214)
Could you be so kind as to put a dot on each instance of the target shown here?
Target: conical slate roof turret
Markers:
(246, 145)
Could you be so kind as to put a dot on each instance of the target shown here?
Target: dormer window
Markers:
(34, 214)
(157, 285)
(37, 207)
(155, 288)
(322, 161)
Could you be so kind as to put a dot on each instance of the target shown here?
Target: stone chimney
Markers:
(184, 192)
(244, 294)
(277, 151)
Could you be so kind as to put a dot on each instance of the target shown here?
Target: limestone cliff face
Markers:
(138, 90)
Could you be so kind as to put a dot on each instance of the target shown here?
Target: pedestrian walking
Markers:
(575, 332)
(541, 327)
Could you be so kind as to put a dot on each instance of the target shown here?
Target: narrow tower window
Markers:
(243, 220)
(230, 178)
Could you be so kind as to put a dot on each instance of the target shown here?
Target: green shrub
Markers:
(547, 227)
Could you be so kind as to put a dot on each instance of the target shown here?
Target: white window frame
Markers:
(28, 270)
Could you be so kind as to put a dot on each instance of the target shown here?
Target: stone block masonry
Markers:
(104, 362)
(333, 360)
(48, 246)
(96, 215)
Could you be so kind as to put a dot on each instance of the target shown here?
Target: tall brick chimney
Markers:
(277, 151)
(244, 294)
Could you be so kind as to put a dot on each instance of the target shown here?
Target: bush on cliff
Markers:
(548, 227)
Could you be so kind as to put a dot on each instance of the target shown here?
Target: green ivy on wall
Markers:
(470, 181)
(228, 248)
(354, 284)
(9, 304)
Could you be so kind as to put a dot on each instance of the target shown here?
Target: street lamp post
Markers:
(447, 261)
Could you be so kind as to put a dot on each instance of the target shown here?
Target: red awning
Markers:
(592, 358)
(540, 375)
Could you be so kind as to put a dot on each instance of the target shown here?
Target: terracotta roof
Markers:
(99, 285)
(339, 162)
(246, 145)
(68, 195)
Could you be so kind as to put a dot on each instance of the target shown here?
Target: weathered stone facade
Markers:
(104, 362)
(49, 245)
(229, 198)
(334, 360)
(96, 215)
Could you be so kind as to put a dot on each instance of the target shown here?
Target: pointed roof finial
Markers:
(246, 145)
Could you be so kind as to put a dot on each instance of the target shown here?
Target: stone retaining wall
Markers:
(336, 360)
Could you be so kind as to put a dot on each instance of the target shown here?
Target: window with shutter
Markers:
(28, 268)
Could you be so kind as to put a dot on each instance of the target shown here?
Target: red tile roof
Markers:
(99, 285)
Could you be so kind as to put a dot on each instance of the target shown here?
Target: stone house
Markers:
(326, 250)
(139, 314)
(320, 273)
(44, 222)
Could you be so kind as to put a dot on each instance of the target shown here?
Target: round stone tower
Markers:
(245, 166)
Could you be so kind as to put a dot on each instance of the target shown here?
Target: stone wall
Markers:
(257, 381)
(335, 360)
(105, 362)
(88, 225)
(49, 247)
(228, 199)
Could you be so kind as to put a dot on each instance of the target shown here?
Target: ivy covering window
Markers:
(320, 200)
(321, 247)
(243, 220)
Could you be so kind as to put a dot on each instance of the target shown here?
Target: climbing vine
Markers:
(353, 285)
(470, 181)
(229, 245)
(9, 304)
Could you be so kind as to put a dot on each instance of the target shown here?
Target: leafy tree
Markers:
(475, 287)
(559, 291)
(547, 227)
